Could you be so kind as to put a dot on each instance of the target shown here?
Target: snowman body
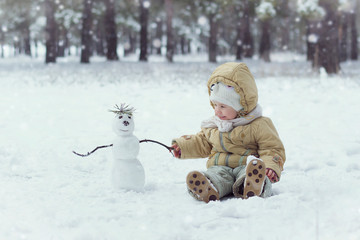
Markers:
(127, 173)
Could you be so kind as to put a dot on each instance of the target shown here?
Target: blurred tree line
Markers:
(326, 30)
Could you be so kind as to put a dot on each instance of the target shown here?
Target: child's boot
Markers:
(201, 188)
(255, 177)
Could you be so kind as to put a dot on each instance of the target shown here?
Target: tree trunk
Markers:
(343, 33)
(247, 40)
(285, 34)
(2, 40)
(189, 46)
(182, 44)
(284, 24)
(86, 34)
(144, 18)
(315, 60)
(130, 46)
(36, 47)
(110, 31)
(265, 44)
(27, 45)
(213, 38)
(50, 32)
(2, 55)
(61, 42)
(158, 38)
(311, 42)
(329, 40)
(239, 42)
(169, 30)
(354, 36)
(17, 48)
(100, 36)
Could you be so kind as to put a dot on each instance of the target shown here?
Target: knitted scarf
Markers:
(228, 125)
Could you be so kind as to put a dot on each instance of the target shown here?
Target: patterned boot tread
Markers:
(255, 177)
(200, 187)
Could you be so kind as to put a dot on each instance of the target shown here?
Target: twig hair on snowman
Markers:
(124, 123)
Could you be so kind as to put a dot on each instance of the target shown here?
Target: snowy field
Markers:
(48, 193)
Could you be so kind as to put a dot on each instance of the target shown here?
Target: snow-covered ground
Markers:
(47, 192)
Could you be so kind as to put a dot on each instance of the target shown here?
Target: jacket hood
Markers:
(238, 76)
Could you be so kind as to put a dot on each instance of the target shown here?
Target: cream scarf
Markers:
(228, 125)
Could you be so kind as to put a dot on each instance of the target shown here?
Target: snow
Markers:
(310, 8)
(47, 111)
(313, 38)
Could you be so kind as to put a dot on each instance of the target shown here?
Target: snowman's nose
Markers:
(126, 123)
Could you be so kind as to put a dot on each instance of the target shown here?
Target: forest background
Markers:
(325, 30)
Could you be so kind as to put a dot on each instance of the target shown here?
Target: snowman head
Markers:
(123, 123)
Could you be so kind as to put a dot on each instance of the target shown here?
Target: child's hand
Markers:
(176, 150)
(271, 174)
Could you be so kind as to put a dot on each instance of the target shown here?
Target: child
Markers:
(245, 153)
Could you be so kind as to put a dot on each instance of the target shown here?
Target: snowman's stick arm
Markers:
(149, 140)
(110, 145)
(85, 155)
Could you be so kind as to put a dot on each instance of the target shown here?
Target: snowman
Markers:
(127, 172)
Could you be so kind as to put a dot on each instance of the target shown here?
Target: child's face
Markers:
(223, 111)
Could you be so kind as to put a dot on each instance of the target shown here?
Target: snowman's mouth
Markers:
(124, 130)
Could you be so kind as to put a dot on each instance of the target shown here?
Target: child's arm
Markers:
(192, 146)
(270, 148)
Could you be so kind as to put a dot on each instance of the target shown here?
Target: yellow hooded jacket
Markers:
(231, 149)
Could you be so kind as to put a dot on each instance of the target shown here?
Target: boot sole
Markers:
(255, 177)
(200, 187)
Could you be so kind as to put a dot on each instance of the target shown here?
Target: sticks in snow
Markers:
(110, 145)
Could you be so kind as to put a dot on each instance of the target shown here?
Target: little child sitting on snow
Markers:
(245, 153)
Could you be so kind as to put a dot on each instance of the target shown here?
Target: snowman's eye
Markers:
(120, 117)
(129, 117)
